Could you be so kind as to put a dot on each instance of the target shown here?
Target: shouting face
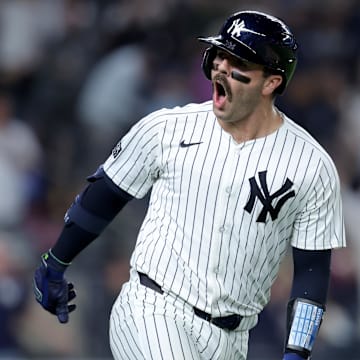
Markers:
(239, 87)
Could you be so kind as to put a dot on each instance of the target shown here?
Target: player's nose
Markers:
(223, 66)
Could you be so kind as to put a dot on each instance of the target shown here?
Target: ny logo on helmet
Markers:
(230, 45)
(266, 198)
(238, 26)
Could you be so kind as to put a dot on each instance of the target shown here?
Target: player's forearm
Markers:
(307, 301)
(93, 209)
(72, 240)
(311, 274)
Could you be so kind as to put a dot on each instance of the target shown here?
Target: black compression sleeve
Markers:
(72, 240)
(101, 198)
(311, 274)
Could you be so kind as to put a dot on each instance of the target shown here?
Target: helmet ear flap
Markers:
(207, 62)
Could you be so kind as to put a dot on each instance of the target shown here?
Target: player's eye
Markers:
(241, 64)
(233, 61)
(244, 65)
(221, 55)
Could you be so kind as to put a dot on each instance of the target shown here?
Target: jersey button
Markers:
(222, 229)
(228, 189)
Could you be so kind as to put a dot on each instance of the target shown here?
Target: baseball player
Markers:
(234, 183)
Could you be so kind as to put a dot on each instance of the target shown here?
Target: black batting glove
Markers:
(51, 289)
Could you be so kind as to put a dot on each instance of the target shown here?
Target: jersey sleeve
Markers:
(133, 164)
(320, 224)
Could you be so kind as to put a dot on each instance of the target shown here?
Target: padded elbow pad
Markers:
(303, 324)
(97, 205)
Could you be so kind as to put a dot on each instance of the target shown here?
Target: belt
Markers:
(230, 322)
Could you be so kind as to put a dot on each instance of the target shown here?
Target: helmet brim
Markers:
(246, 53)
(210, 39)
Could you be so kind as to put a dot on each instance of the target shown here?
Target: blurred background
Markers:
(75, 75)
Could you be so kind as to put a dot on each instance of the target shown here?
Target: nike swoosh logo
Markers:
(183, 144)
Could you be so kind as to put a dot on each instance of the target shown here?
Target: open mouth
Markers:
(222, 91)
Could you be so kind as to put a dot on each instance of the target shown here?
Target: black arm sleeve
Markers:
(311, 274)
(101, 198)
(72, 240)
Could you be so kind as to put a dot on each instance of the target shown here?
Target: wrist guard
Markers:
(304, 318)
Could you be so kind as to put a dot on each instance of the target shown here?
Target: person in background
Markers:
(21, 157)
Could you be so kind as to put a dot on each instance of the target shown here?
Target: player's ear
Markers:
(271, 82)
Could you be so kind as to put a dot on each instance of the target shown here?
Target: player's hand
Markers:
(51, 289)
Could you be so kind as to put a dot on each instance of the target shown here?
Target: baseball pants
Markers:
(147, 325)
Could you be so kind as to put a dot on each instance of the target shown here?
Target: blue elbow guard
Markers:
(304, 320)
(86, 220)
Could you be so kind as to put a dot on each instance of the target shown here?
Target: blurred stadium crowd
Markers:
(74, 75)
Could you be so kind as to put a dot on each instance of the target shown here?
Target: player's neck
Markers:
(255, 126)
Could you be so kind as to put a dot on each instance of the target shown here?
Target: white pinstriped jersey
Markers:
(221, 214)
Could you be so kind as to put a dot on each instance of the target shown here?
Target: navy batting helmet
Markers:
(258, 38)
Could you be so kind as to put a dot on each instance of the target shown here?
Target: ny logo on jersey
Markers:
(266, 198)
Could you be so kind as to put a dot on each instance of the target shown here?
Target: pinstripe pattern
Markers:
(197, 240)
(147, 325)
